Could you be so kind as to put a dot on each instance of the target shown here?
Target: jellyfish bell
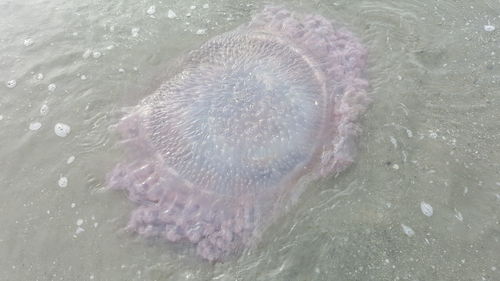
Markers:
(222, 147)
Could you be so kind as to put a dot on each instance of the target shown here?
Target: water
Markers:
(421, 203)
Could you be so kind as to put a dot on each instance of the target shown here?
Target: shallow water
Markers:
(422, 202)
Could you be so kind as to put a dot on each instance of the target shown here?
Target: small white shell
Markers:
(408, 230)
(51, 87)
(62, 182)
(35, 126)
(151, 10)
(171, 14)
(62, 130)
(426, 208)
(11, 84)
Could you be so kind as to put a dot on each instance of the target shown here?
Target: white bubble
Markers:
(62, 130)
(192, 7)
(28, 42)
(1, 117)
(205, 6)
(121, 70)
(62, 182)
(51, 87)
(201, 31)
(35, 126)
(489, 28)
(86, 54)
(408, 230)
(426, 208)
(44, 109)
(151, 10)
(70, 159)
(171, 14)
(110, 47)
(39, 76)
(135, 31)
(96, 54)
(73, 205)
(79, 222)
(11, 84)
(83, 77)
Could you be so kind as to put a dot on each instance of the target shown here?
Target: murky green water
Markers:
(421, 203)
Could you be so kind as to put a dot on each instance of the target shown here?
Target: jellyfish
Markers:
(228, 143)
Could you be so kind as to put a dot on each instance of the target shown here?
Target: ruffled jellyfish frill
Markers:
(224, 146)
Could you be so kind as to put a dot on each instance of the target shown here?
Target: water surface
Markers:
(422, 202)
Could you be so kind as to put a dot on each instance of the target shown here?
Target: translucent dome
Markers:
(244, 114)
